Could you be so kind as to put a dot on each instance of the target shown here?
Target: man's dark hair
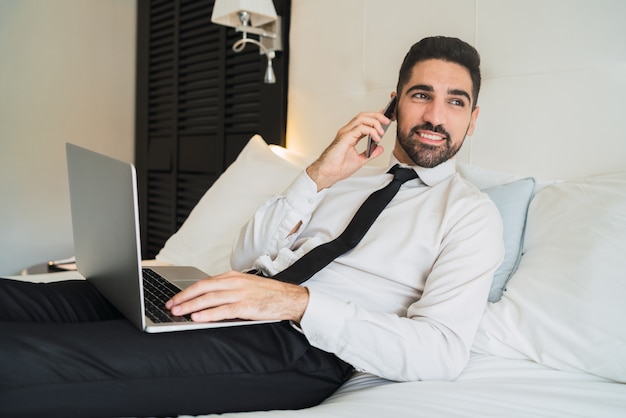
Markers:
(446, 49)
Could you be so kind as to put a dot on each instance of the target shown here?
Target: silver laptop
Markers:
(105, 221)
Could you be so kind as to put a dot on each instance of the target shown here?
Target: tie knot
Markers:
(402, 174)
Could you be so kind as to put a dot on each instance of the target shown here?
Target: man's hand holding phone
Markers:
(341, 158)
(389, 112)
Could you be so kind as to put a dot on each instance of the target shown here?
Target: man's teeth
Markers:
(431, 137)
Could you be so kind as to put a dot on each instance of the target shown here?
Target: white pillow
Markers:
(565, 307)
(206, 238)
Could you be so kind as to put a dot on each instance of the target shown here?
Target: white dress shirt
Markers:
(405, 304)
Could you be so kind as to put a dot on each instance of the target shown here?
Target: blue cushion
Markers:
(512, 200)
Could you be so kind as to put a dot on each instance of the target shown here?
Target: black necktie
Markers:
(320, 256)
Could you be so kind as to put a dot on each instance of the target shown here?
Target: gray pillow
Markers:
(512, 200)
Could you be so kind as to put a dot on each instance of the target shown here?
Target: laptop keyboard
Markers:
(157, 290)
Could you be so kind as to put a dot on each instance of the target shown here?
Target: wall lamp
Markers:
(256, 17)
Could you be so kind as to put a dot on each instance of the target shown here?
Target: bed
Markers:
(553, 341)
(554, 344)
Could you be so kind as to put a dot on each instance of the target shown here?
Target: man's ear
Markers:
(472, 125)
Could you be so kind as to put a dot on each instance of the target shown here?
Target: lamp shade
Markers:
(226, 12)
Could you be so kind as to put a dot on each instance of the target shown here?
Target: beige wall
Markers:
(67, 74)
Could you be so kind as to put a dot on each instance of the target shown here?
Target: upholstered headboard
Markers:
(554, 76)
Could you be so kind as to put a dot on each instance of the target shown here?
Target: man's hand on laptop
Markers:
(235, 295)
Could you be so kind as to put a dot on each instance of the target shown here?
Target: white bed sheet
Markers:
(489, 387)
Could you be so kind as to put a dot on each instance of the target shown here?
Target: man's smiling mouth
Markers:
(431, 137)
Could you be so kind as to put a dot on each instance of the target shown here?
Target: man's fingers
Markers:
(204, 301)
(211, 284)
(365, 124)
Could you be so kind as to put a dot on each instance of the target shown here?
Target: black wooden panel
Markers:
(161, 204)
(159, 157)
(191, 187)
(201, 155)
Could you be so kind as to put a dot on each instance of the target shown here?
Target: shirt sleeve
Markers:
(271, 227)
(433, 340)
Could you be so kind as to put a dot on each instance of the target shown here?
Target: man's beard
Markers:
(424, 155)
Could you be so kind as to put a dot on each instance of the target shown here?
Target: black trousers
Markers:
(65, 351)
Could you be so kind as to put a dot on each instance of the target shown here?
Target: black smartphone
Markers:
(388, 111)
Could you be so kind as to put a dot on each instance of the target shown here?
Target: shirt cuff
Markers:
(302, 193)
(323, 320)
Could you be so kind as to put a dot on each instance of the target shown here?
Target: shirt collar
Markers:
(431, 176)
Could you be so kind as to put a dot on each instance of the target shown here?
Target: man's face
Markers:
(434, 113)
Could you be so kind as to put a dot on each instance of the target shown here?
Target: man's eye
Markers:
(420, 96)
(457, 102)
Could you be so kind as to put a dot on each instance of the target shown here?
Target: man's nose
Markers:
(435, 113)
